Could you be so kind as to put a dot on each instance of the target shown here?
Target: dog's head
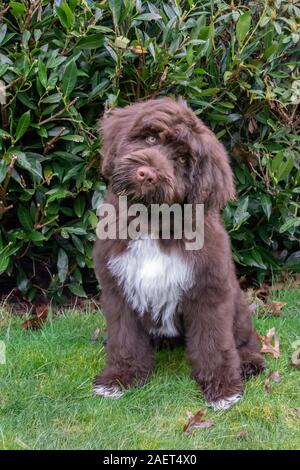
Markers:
(158, 151)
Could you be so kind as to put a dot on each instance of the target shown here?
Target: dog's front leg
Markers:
(129, 350)
(212, 351)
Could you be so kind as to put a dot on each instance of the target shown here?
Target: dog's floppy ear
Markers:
(111, 127)
(213, 183)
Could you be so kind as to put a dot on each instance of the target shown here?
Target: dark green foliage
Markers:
(63, 62)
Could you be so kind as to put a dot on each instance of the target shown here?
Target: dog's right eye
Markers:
(151, 139)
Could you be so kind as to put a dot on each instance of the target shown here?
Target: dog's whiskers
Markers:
(121, 193)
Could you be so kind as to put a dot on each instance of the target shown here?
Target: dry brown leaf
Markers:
(263, 292)
(138, 49)
(95, 335)
(242, 434)
(267, 386)
(253, 300)
(252, 126)
(295, 359)
(40, 314)
(275, 308)
(195, 421)
(275, 376)
(272, 377)
(267, 347)
(297, 412)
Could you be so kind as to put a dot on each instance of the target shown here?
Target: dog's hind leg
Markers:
(212, 351)
(246, 339)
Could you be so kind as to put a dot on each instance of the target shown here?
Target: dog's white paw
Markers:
(106, 391)
(224, 403)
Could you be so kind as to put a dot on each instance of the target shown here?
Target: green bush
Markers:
(63, 62)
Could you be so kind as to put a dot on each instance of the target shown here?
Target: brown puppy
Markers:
(160, 152)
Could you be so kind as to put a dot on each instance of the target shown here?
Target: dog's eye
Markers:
(182, 160)
(151, 139)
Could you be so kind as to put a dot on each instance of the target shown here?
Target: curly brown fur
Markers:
(185, 163)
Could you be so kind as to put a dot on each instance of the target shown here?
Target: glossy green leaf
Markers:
(65, 15)
(243, 27)
(77, 289)
(62, 265)
(69, 79)
(22, 126)
(92, 41)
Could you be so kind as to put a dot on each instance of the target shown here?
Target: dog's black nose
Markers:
(145, 174)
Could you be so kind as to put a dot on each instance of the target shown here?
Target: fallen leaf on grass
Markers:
(195, 421)
(95, 335)
(253, 300)
(267, 386)
(40, 314)
(275, 308)
(267, 347)
(258, 298)
(295, 359)
(253, 295)
(272, 377)
(297, 412)
(275, 376)
(242, 434)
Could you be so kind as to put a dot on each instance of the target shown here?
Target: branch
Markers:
(4, 209)
(34, 5)
(9, 85)
(39, 226)
(2, 12)
(8, 176)
(50, 144)
(59, 113)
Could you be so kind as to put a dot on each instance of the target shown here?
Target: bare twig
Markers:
(91, 164)
(50, 144)
(59, 113)
(4, 117)
(34, 5)
(37, 215)
(25, 251)
(8, 103)
(7, 178)
(92, 136)
(2, 12)
(4, 209)
(9, 85)
(39, 226)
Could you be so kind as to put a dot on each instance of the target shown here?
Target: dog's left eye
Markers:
(182, 160)
(151, 139)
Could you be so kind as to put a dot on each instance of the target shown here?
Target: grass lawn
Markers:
(46, 399)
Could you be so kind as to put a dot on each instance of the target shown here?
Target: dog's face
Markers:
(160, 152)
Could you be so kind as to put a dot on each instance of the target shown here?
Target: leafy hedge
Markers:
(63, 62)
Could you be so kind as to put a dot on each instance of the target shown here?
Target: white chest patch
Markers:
(153, 282)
